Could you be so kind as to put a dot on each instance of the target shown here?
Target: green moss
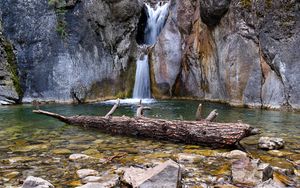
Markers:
(12, 67)
(60, 11)
(246, 3)
(269, 3)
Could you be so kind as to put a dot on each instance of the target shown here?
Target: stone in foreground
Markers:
(165, 175)
(250, 172)
(270, 143)
(35, 182)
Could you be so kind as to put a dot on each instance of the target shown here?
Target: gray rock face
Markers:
(166, 57)
(270, 143)
(166, 175)
(8, 74)
(72, 51)
(247, 59)
(250, 172)
(35, 182)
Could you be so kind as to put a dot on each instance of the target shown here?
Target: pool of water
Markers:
(32, 144)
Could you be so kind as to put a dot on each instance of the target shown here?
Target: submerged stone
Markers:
(91, 179)
(11, 175)
(206, 153)
(82, 173)
(35, 182)
(75, 157)
(21, 159)
(37, 147)
(184, 158)
(278, 153)
(61, 151)
(235, 154)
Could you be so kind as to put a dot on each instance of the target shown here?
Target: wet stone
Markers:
(11, 175)
(37, 147)
(35, 182)
(75, 157)
(166, 174)
(21, 159)
(278, 153)
(61, 151)
(82, 173)
(250, 172)
(91, 179)
(235, 154)
(184, 158)
(270, 143)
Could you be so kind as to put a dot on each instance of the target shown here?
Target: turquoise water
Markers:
(32, 144)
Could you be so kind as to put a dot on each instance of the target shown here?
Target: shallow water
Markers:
(36, 145)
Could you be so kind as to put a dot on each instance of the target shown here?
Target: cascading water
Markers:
(142, 84)
(156, 18)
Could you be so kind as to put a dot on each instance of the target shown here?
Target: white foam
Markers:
(130, 101)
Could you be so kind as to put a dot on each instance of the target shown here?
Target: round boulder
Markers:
(270, 143)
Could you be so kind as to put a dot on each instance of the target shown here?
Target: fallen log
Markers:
(191, 132)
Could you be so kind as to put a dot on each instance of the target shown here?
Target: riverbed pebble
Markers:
(36, 182)
(77, 156)
(82, 173)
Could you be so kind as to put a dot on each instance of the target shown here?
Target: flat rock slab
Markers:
(165, 175)
(270, 143)
(36, 182)
(250, 172)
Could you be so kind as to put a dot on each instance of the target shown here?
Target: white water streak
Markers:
(156, 18)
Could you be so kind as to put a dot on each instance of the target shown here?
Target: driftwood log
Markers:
(202, 132)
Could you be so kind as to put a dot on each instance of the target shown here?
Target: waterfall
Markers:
(156, 18)
(142, 84)
(155, 21)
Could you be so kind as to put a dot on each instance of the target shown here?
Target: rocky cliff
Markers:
(10, 91)
(73, 50)
(241, 52)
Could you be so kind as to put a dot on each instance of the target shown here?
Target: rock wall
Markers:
(73, 50)
(241, 52)
(10, 91)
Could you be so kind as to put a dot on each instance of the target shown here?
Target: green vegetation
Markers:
(269, 3)
(246, 3)
(60, 12)
(12, 67)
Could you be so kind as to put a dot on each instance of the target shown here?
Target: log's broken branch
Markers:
(199, 113)
(110, 113)
(212, 115)
(140, 111)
